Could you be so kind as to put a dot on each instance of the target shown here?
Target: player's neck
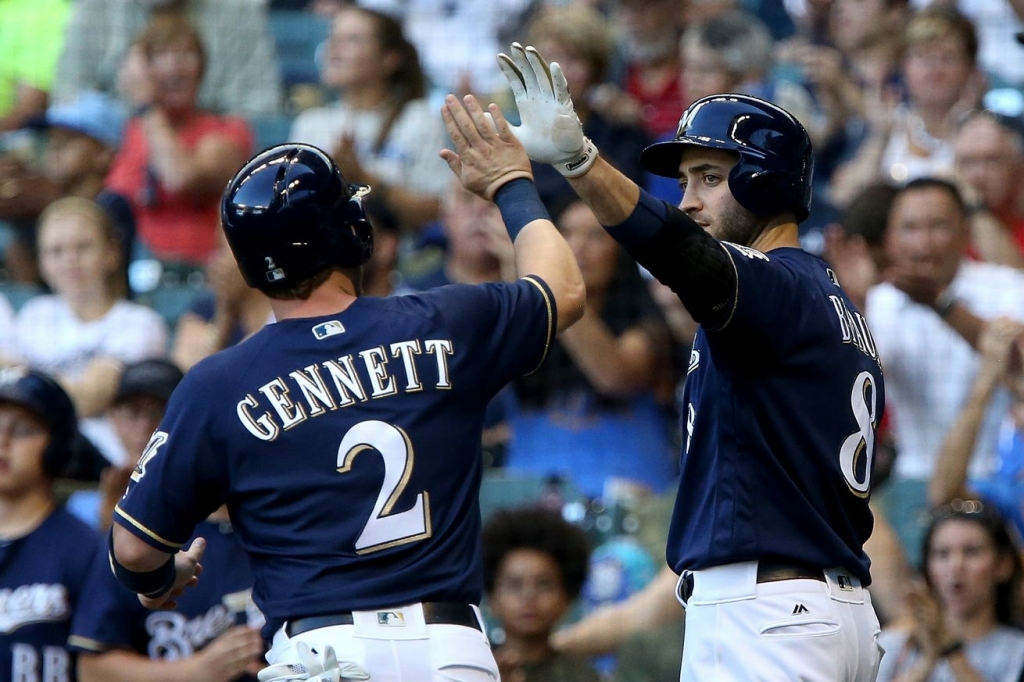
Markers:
(333, 296)
(778, 235)
(21, 514)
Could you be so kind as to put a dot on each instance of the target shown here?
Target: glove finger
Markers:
(525, 68)
(560, 85)
(542, 73)
(513, 75)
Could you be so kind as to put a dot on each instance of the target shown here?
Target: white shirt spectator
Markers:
(410, 154)
(929, 368)
(51, 338)
(8, 342)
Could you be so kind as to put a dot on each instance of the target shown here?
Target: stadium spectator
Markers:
(30, 43)
(477, 250)
(454, 36)
(646, 69)
(580, 39)
(1000, 366)
(926, 318)
(535, 564)
(242, 74)
(213, 633)
(176, 157)
(962, 621)
(46, 552)
(596, 409)
(85, 330)
(8, 342)
(221, 315)
(910, 135)
(989, 165)
(82, 137)
(381, 131)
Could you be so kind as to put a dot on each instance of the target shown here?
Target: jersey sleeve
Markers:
(773, 303)
(507, 327)
(181, 477)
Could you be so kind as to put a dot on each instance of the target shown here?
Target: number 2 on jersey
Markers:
(384, 529)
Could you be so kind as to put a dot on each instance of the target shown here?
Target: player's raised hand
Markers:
(487, 154)
(550, 130)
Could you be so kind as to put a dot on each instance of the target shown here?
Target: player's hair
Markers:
(579, 29)
(408, 82)
(540, 529)
(304, 288)
(985, 515)
(739, 39)
(167, 28)
(99, 217)
(936, 22)
(931, 182)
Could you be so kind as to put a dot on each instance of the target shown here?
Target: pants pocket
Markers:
(818, 627)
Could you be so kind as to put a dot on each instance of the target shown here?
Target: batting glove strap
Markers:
(581, 164)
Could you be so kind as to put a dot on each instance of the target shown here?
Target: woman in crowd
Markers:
(381, 131)
(961, 623)
(175, 158)
(596, 409)
(86, 330)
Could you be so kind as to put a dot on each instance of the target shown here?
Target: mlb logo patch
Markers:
(394, 619)
(275, 275)
(328, 328)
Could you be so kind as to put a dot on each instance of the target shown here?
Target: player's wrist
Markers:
(581, 163)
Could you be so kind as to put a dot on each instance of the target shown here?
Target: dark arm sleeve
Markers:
(682, 256)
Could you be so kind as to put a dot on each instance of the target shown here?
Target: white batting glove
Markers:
(550, 130)
(325, 668)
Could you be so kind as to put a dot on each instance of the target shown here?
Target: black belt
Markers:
(434, 613)
(767, 572)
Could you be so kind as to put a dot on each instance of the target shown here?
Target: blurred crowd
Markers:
(122, 120)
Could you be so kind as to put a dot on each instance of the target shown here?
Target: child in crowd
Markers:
(535, 564)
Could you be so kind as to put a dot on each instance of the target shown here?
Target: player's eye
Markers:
(710, 179)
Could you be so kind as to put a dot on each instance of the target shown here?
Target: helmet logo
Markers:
(274, 273)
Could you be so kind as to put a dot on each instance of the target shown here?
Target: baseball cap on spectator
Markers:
(91, 113)
(148, 378)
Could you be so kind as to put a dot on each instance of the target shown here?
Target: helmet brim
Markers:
(663, 158)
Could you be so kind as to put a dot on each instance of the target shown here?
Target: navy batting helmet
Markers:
(776, 163)
(44, 397)
(288, 213)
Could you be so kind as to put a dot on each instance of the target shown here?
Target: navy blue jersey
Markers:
(780, 410)
(110, 616)
(41, 579)
(347, 447)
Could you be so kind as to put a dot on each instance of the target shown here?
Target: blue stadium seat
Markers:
(17, 293)
(270, 130)
(297, 36)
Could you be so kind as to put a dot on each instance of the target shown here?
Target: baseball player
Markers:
(212, 635)
(783, 392)
(45, 552)
(345, 438)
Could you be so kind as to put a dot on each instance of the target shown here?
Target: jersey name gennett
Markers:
(317, 389)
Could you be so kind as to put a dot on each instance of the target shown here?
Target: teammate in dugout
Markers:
(783, 393)
(45, 551)
(345, 438)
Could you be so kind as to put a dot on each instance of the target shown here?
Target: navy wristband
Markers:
(520, 205)
(646, 220)
(147, 583)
